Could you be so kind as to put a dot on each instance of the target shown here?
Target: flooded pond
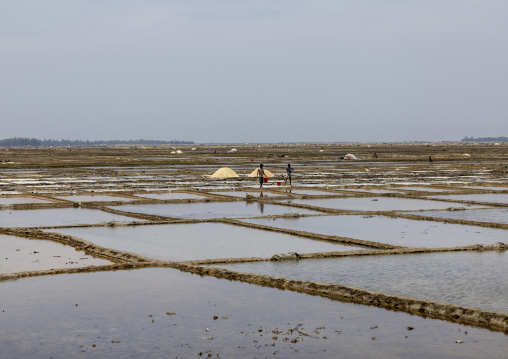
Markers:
(485, 188)
(481, 197)
(96, 198)
(236, 209)
(373, 204)
(394, 231)
(22, 199)
(57, 217)
(244, 194)
(310, 192)
(170, 195)
(494, 215)
(473, 279)
(181, 242)
(24, 254)
(423, 189)
(370, 190)
(163, 313)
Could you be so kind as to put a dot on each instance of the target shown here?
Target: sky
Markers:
(239, 71)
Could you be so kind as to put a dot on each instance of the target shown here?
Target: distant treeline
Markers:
(485, 139)
(22, 142)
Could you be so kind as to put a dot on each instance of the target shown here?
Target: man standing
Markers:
(289, 170)
(261, 175)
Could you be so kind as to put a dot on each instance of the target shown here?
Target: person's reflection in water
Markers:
(261, 205)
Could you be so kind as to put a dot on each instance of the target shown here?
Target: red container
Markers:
(266, 179)
(278, 183)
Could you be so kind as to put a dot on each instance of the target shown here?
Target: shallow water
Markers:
(394, 231)
(373, 204)
(481, 197)
(309, 192)
(369, 190)
(95, 198)
(236, 209)
(485, 188)
(252, 193)
(163, 313)
(57, 217)
(423, 189)
(21, 200)
(170, 195)
(24, 254)
(180, 242)
(495, 215)
(475, 279)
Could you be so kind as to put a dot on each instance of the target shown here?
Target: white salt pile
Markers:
(224, 172)
(267, 173)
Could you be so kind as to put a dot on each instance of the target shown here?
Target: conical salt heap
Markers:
(224, 172)
(267, 173)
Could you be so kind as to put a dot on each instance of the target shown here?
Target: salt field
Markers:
(212, 210)
(394, 231)
(95, 198)
(25, 254)
(474, 279)
(183, 242)
(170, 196)
(487, 215)
(193, 316)
(483, 197)
(372, 204)
(22, 200)
(310, 192)
(185, 265)
(57, 217)
(247, 193)
(422, 189)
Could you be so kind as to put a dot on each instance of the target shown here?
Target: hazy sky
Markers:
(254, 71)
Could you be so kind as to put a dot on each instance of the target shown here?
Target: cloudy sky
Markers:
(254, 71)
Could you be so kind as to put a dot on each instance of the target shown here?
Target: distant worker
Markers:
(261, 175)
(375, 154)
(430, 158)
(289, 170)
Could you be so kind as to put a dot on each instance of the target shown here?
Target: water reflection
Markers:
(476, 279)
(105, 315)
(198, 241)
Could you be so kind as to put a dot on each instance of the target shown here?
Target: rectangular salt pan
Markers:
(245, 193)
(473, 279)
(487, 215)
(181, 242)
(234, 209)
(423, 189)
(481, 197)
(393, 231)
(373, 204)
(310, 192)
(96, 198)
(25, 254)
(22, 200)
(153, 312)
(57, 217)
(169, 196)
